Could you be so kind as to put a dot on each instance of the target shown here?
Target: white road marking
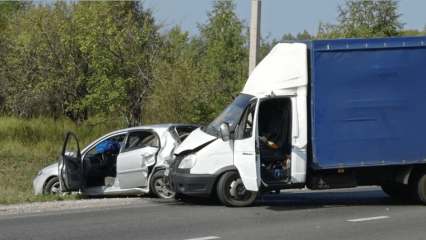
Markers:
(368, 219)
(204, 238)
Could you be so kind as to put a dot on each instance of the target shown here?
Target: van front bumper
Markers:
(197, 185)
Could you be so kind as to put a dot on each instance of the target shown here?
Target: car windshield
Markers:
(230, 114)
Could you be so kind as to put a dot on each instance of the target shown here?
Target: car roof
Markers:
(158, 126)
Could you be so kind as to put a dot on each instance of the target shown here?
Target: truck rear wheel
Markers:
(398, 191)
(231, 191)
(419, 188)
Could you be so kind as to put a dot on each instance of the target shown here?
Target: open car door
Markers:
(138, 153)
(70, 168)
(246, 147)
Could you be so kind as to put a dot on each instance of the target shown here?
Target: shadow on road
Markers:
(300, 200)
(326, 199)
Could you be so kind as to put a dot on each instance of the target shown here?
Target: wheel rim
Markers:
(162, 190)
(56, 188)
(238, 191)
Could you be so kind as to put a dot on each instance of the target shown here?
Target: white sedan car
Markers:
(124, 162)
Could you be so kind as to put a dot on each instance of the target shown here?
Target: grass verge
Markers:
(29, 145)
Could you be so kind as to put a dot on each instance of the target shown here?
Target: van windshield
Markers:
(230, 114)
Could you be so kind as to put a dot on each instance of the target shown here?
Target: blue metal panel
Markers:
(368, 43)
(368, 102)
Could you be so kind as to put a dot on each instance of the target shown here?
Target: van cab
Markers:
(259, 140)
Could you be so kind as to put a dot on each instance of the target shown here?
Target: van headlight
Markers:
(39, 173)
(188, 161)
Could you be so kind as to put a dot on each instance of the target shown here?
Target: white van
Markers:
(323, 114)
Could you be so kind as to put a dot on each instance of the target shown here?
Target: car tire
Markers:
(231, 191)
(419, 189)
(398, 191)
(52, 186)
(158, 187)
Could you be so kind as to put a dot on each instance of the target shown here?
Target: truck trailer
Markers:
(321, 114)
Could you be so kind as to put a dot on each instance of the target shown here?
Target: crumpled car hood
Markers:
(194, 140)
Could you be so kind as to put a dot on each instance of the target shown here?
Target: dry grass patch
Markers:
(29, 145)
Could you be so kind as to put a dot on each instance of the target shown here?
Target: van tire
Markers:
(419, 188)
(158, 186)
(231, 191)
(398, 191)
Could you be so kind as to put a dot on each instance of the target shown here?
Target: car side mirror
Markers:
(224, 131)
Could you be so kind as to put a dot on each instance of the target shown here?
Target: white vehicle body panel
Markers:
(136, 160)
(283, 73)
(214, 156)
(194, 140)
(47, 172)
(246, 159)
(132, 176)
(283, 68)
(169, 145)
(132, 167)
(299, 141)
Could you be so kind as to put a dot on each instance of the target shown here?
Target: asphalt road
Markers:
(361, 213)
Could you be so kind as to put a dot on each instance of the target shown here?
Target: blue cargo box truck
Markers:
(320, 114)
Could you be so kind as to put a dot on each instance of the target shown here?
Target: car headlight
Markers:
(39, 173)
(188, 161)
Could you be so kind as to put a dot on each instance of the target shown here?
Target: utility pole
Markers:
(254, 35)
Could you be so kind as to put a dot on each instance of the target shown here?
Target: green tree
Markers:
(122, 41)
(364, 19)
(43, 62)
(79, 59)
(288, 37)
(7, 11)
(304, 35)
(411, 32)
(179, 80)
(300, 36)
(225, 60)
(265, 46)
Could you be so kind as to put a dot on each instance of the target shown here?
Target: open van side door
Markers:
(70, 169)
(246, 147)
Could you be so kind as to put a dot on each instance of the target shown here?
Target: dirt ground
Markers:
(75, 204)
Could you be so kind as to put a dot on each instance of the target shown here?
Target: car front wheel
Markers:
(52, 186)
(158, 187)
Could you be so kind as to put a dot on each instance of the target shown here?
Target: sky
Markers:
(278, 17)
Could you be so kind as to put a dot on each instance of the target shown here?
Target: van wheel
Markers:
(398, 191)
(52, 186)
(158, 187)
(419, 188)
(231, 191)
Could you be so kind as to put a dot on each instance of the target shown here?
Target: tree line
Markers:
(81, 59)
